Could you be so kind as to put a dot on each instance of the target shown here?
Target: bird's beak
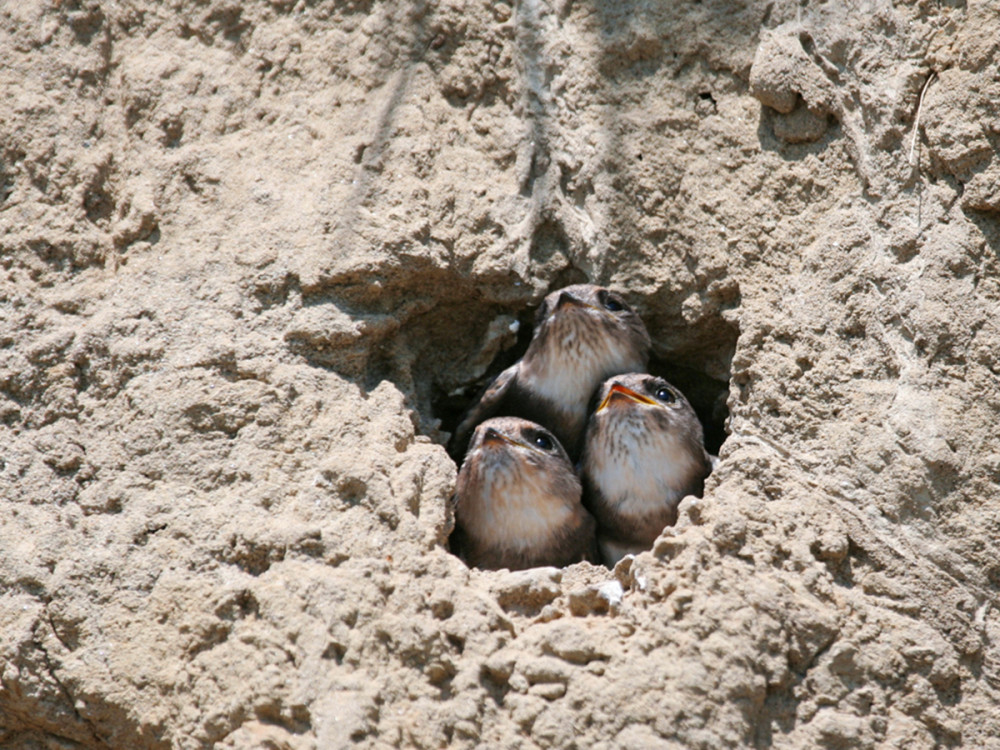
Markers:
(619, 392)
(568, 299)
(493, 437)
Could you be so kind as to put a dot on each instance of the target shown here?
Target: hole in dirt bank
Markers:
(432, 332)
(692, 365)
(707, 394)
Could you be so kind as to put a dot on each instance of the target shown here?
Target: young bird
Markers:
(643, 453)
(518, 500)
(583, 334)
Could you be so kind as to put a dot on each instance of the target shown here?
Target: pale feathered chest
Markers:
(515, 507)
(569, 380)
(637, 469)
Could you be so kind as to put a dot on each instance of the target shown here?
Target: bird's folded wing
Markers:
(485, 407)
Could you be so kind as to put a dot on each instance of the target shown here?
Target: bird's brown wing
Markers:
(585, 541)
(486, 407)
(594, 551)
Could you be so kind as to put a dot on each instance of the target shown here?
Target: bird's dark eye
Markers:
(613, 305)
(665, 395)
(543, 441)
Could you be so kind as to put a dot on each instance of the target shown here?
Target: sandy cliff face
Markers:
(256, 256)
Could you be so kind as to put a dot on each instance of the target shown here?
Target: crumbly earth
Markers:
(255, 254)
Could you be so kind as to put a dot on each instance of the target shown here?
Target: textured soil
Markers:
(256, 257)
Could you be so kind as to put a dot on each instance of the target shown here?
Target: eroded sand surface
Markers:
(252, 252)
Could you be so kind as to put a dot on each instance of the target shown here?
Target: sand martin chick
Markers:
(517, 500)
(583, 334)
(643, 453)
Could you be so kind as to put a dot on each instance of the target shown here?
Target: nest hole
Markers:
(686, 366)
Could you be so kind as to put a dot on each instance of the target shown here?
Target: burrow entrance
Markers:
(684, 368)
(692, 352)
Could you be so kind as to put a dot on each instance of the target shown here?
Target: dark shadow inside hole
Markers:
(451, 407)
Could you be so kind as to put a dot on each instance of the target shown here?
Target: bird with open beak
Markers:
(517, 500)
(643, 453)
(583, 334)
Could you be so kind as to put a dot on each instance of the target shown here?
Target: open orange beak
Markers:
(620, 392)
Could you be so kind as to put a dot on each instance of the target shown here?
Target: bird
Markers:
(583, 334)
(518, 500)
(643, 452)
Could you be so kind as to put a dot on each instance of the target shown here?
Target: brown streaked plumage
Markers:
(643, 453)
(517, 500)
(583, 334)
